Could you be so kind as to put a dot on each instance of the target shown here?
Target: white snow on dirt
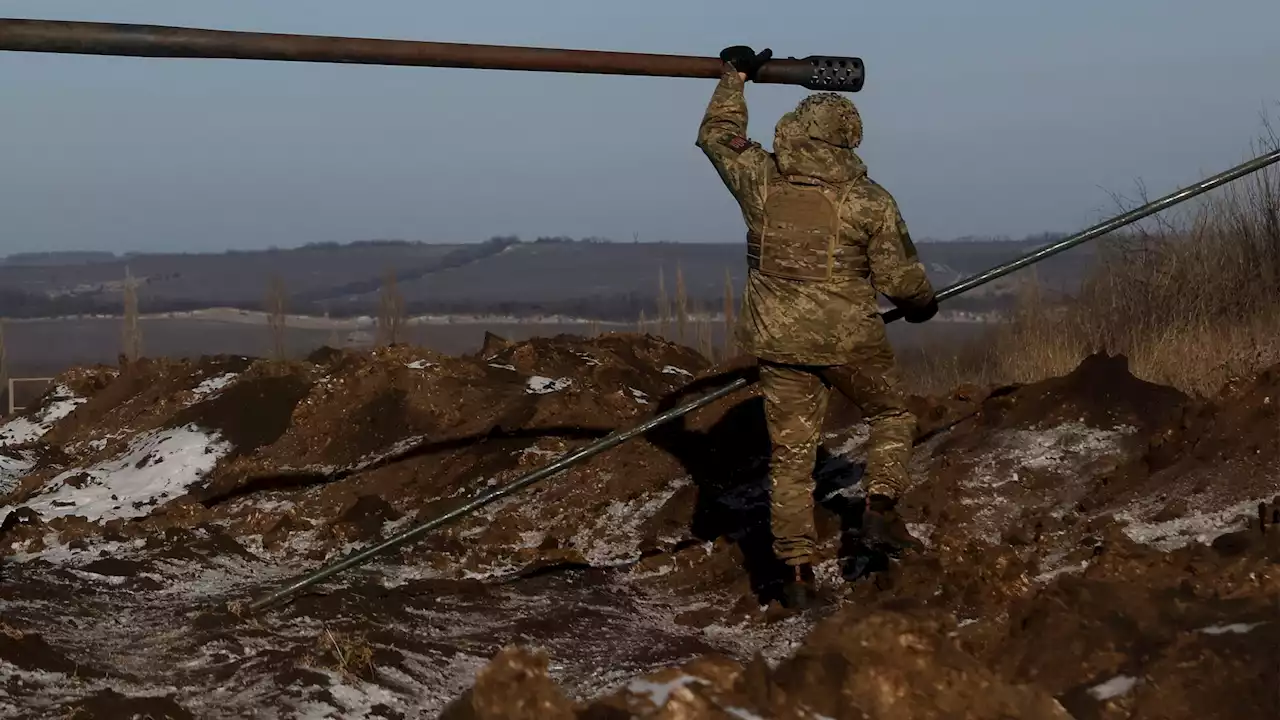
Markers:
(660, 693)
(1060, 450)
(156, 468)
(11, 470)
(1196, 527)
(419, 365)
(60, 403)
(1113, 688)
(1234, 628)
(1001, 495)
(214, 384)
(614, 538)
(538, 385)
(673, 370)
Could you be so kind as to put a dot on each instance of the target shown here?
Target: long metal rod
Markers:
(85, 38)
(562, 463)
(617, 438)
(1102, 228)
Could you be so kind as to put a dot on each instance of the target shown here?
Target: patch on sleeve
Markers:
(737, 143)
(904, 237)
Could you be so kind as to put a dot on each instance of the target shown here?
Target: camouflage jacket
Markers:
(806, 321)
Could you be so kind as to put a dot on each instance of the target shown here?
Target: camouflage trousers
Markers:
(796, 399)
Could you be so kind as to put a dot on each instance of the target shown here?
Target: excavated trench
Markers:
(1097, 546)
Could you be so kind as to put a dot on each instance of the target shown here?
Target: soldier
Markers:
(822, 239)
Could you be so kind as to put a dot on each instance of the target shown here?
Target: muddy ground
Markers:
(1096, 546)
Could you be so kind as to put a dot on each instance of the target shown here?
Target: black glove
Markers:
(745, 60)
(921, 314)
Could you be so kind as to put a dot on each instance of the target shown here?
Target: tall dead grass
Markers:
(1192, 298)
(276, 308)
(130, 331)
(391, 312)
(4, 373)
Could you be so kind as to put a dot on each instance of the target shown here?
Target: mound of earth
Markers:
(1096, 546)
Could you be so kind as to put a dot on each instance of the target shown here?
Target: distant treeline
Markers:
(58, 288)
(88, 257)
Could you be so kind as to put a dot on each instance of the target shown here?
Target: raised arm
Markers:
(743, 165)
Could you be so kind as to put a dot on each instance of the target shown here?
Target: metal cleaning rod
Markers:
(617, 438)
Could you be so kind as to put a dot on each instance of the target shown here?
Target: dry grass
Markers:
(1192, 299)
(131, 332)
(348, 654)
(275, 307)
(730, 344)
(4, 371)
(391, 312)
(664, 305)
(682, 306)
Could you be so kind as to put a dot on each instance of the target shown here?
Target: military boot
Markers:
(801, 589)
(884, 530)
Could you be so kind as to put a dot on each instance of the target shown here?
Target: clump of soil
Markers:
(28, 651)
(251, 414)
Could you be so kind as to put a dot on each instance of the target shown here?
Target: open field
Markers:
(600, 280)
(47, 347)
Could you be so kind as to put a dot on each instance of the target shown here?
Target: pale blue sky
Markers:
(995, 117)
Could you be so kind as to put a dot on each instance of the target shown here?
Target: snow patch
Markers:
(1236, 628)
(673, 370)
(214, 384)
(1202, 527)
(659, 693)
(640, 396)
(1113, 688)
(538, 385)
(614, 537)
(419, 365)
(61, 403)
(1062, 451)
(1066, 569)
(512, 368)
(11, 470)
(1059, 450)
(155, 469)
(922, 532)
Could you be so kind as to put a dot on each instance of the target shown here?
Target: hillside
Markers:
(605, 280)
(1096, 546)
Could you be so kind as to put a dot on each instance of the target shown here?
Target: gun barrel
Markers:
(86, 38)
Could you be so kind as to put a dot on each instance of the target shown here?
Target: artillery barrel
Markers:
(156, 41)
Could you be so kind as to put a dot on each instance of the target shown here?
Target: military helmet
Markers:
(831, 118)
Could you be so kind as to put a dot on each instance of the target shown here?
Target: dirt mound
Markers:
(1140, 634)
(1100, 393)
(890, 665)
(1060, 574)
(1242, 423)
